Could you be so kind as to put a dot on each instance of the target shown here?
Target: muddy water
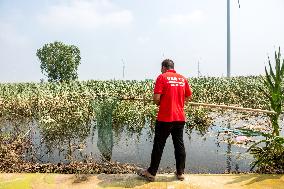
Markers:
(216, 151)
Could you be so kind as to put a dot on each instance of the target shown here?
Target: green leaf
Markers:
(268, 80)
(271, 71)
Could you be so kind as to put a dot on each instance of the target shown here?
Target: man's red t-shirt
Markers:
(173, 88)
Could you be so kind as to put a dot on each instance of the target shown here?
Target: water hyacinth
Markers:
(66, 107)
(66, 112)
(75, 99)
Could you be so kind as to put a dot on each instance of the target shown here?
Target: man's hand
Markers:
(156, 99)
(187, 99)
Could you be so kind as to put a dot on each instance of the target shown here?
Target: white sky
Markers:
(142, 33)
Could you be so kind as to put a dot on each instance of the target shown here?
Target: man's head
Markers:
(167, 64)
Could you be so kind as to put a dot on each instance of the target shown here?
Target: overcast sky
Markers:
(141, 33)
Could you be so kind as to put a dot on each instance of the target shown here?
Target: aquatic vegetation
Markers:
(198, 119)
(52, 103)
(66, 112)
(12, 145)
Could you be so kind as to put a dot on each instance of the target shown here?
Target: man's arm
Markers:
(156, 99)
(158, 89)
(187, 99)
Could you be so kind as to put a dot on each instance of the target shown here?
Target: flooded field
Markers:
(221, 148)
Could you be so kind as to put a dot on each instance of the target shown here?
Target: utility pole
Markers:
(198, 70)
(228, 40)
(229, 37)
(123, 68)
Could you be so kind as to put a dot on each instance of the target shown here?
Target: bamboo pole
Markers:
(213, 106)
(231, 107)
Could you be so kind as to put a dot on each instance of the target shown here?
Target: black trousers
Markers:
(162, 132)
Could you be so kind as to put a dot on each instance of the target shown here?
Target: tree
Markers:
(59, 62)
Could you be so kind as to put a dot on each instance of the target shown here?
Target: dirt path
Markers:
(167, 181)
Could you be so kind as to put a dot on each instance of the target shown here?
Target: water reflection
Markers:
(229, 150)
(98, 140)
(105, 139)
(227, 128)
(65, 135)
(16, 126)
(104, 112)
(198, 121)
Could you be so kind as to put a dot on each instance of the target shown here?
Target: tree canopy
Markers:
(59, 62)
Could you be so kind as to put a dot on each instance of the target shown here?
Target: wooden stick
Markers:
(231, 107)
(213, 105)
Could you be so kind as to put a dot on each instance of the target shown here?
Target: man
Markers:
(170, 93)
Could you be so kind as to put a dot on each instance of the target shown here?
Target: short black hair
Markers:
(169, 64)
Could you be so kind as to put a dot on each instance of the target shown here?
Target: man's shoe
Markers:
(180, 177)
(147, 175)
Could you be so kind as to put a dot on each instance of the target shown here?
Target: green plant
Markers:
(274, 84)
(59, 61)
(270, 157)
(269, 152)
(72, 103)
(198, 119)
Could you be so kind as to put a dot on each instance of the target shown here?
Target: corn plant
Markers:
(274, 84)
(269, 152)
